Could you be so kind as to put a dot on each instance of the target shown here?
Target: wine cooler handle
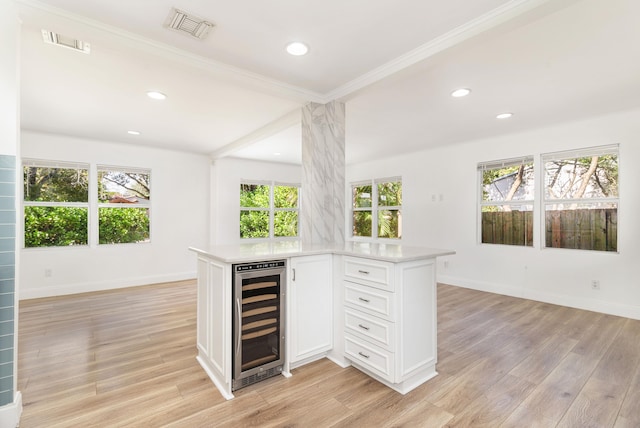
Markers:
(238, 333)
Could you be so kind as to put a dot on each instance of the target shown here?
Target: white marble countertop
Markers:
(241, 253)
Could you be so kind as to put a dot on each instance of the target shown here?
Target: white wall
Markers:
(179, 219)
(553, 275)
(226, 177)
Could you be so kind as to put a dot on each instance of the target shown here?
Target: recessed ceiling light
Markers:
(462, 92)
(133, 132)
(156, 95)
(504, 115)
(276, 154)
(297, 48)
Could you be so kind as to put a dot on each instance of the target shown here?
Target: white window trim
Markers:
(375, 208)
(272, 210)
(146, 204)
(43, 163)
(540, 200)
(504, 163)
(609, 149)
(92, 203)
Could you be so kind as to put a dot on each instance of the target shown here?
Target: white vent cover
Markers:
(65, 42)
(188, 24)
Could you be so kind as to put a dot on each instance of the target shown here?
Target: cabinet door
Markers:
(310, 308)
(203, 310)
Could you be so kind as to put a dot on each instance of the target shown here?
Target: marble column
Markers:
(323, 173)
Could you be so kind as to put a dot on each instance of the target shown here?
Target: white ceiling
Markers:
(395, 63)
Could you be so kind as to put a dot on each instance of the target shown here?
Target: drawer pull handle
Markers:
(364, 327)
(364, 272)
(363, 355)
(362, 299)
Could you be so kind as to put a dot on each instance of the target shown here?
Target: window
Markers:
(269, 210)
(506, 204)
(56, 204)
(377, 206)
(124, 201)
(581, 199)
(59, 204)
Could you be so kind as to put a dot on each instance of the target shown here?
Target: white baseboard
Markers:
(617, 309)
(10, 414)
(84, 287)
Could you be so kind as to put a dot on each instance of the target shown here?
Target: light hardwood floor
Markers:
(127, 358)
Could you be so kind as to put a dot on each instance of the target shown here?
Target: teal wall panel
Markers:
(7, 275)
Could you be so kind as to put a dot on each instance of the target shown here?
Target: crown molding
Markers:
(222, 70)
(456, 36)
(242, 77)
(257, 81)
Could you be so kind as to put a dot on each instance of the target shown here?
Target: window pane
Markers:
(123, 187)
(361, 197)
(254, 196)
(578, 178)
(285, 223)
(254, 224)
(123, 225)
(507, 225)
(512, 183)
(285, 197)
(55, 226)
(585, 226)
(390, 194)
(362, 221)
(390, 224)
(56, 184)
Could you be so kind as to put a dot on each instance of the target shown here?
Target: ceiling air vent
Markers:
(188, 24)
(65, 42)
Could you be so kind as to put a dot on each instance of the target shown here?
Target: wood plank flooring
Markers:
(126, 358)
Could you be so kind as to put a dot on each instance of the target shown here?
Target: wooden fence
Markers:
(508, 227)
(595, 229)
(587, 229)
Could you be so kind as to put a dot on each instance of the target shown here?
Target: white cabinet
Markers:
(214, 322)
(310, 306)
(350, 306)
(390, 320)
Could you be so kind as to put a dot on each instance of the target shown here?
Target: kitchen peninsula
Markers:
(370, 305)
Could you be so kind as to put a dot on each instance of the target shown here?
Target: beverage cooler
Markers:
(258, 327)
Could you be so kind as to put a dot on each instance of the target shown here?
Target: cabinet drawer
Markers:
(370, 272)
(369, 300)
(371, 357)
(371, 328)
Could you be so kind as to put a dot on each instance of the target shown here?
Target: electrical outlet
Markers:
(595, 284)
(446, 264)
(48, 273)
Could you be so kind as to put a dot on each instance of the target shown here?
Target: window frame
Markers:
(505, 163)
(53, 164)
(603, 150)
(271, 209)
(145, 203)
(92, 205)
(375, 208)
